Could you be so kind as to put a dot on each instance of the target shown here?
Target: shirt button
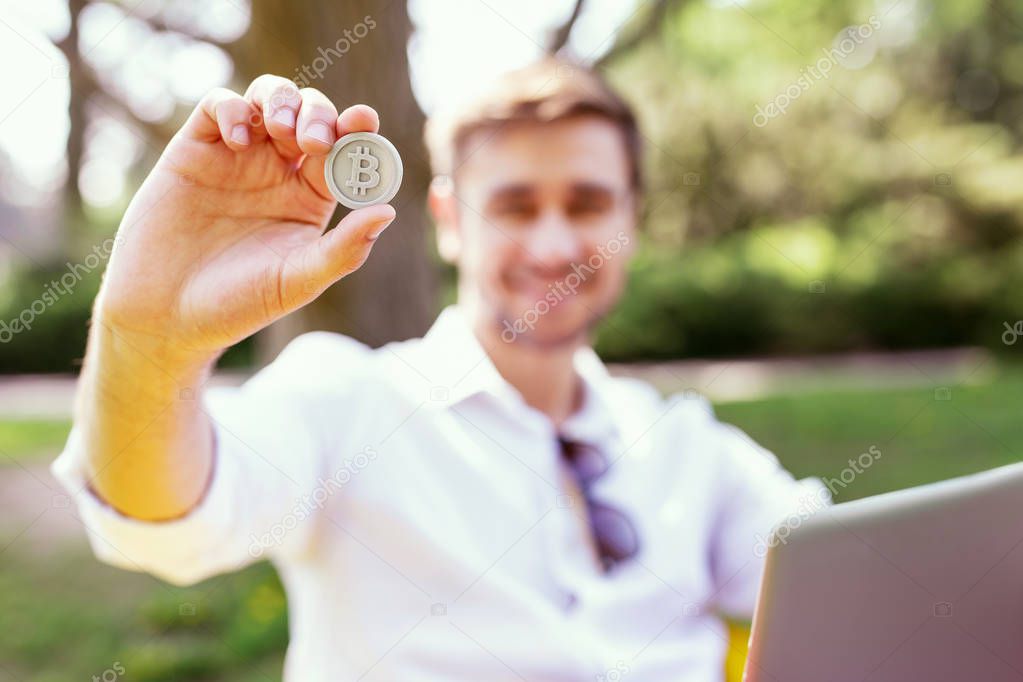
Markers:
(570, 601)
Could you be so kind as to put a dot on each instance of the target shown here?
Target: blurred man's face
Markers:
(541, 226)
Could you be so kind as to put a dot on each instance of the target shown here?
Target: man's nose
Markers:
(553, 241)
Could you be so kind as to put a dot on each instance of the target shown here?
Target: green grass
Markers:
(66, 615)
(25, 439)
(921, 438)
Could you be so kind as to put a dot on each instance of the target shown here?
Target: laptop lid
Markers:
(919, 584)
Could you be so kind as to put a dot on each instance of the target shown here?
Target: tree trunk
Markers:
(360, 48)
(80, 90)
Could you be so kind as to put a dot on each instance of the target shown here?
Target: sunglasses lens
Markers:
(615, 536)
(613, 533)
(587, 462)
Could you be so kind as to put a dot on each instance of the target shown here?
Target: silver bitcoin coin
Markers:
(363, 169)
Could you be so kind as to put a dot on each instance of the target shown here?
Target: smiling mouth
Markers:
(533, 282)
(540, 288)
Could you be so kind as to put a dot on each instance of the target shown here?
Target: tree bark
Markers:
(80, 90)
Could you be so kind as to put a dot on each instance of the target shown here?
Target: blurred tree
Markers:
(81, 91)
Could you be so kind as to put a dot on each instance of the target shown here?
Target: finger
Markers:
(358, 118)
(337, 253)
(278, 100)
(316, 134)
(222, 115)
(316, 119)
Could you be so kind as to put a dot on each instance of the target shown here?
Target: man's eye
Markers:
(588, 209)
(515, 211)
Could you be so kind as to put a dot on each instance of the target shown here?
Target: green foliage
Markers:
(797, 289)
(882, 209)
(46, 326)
(45, 315)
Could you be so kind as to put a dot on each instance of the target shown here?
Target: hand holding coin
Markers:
(237, 208)
(363, 169)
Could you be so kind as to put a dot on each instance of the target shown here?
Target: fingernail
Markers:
(285, 116)
(240, 134)
(319, 131)
(378, 230)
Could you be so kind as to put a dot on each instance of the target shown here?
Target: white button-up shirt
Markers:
(425, 527)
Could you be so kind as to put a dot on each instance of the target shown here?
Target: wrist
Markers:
(140, 370)
(159, 352)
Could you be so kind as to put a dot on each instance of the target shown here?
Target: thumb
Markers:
(336, 253)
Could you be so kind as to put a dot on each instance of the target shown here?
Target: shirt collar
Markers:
(461, 368)
(456, 361)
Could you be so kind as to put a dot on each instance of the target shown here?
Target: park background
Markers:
(832, 246)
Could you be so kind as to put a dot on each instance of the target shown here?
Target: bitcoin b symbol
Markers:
(364, 171)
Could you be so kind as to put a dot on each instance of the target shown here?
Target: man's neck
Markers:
(544, 375)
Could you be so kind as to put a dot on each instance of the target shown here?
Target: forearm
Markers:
(149, 445)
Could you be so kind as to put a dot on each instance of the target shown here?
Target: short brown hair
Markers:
(551, 89)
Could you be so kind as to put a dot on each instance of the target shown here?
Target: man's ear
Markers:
(442, 203)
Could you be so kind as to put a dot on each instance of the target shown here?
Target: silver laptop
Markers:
(921, 584)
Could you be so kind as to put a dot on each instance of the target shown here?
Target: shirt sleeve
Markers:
(757, 496)
(261, 501)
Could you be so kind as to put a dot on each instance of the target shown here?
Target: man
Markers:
(483, 503)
